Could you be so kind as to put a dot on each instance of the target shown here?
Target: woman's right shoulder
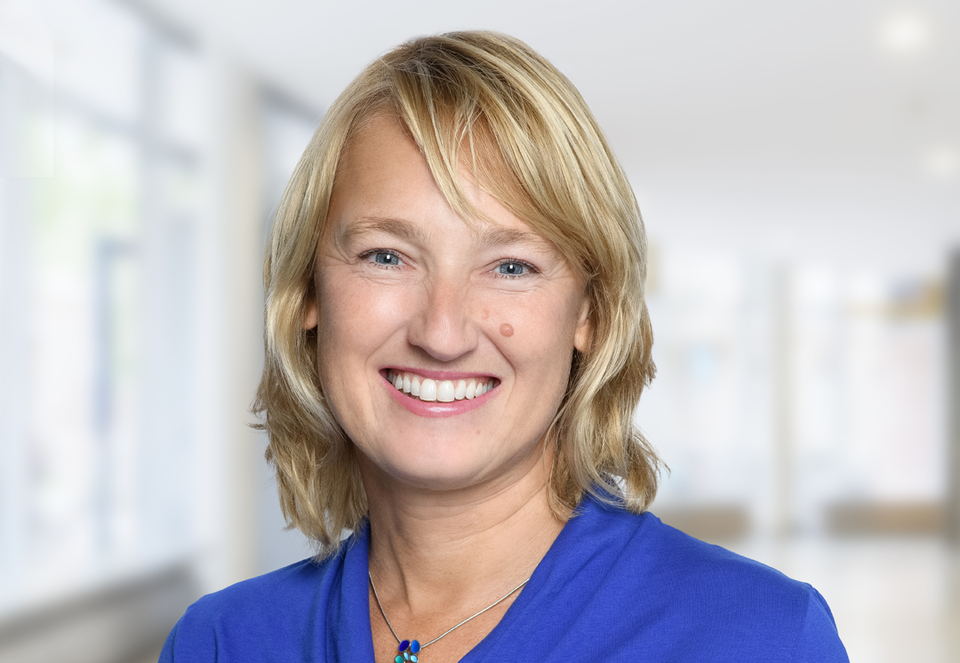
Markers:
(254, 616)
(299, 580)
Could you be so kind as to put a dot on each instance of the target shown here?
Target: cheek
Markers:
(536, 332)
(541, 321)
(355, 318)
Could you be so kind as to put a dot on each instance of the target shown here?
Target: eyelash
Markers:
(514, 261)
(531, 269)
(367, 255)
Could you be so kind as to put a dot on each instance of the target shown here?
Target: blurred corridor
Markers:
(798, 167)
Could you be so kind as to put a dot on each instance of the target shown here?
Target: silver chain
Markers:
(447, 632)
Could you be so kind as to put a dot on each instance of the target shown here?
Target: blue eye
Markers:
(514, 268)
(384, 258)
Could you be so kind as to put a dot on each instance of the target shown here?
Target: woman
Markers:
(456, 339)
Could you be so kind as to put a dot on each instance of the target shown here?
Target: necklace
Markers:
(410, 649)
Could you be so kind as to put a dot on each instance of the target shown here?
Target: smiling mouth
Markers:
(443, 391)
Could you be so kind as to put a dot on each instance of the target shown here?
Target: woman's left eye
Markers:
(513, 268)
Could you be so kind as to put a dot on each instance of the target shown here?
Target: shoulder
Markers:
(692, 600)
(667, 560)
(275, 610)
(291, 585)
(713, 573)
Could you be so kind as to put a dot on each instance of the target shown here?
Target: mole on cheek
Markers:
(506, 329)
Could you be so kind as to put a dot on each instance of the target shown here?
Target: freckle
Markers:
(506, 329)
(478, 431)
(484, 315)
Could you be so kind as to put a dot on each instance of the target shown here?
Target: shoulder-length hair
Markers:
(488, 103)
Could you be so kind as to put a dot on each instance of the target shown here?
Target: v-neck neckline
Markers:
(351, 621)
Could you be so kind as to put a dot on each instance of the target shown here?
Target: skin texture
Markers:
(458, 504)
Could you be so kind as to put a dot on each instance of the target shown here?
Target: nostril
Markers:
(443, 327)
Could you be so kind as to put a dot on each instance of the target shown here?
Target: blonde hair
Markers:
(488, 101)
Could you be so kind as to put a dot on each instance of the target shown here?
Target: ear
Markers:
(310, 318)
(583, 337)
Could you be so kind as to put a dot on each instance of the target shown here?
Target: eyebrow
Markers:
(485, 236)
(492, 236)
(372, 224)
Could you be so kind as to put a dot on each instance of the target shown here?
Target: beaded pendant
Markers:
(408, 652)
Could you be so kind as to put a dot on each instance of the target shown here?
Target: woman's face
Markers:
(481, 320)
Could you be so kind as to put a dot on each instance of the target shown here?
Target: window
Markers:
(798, 397)
(99, 208)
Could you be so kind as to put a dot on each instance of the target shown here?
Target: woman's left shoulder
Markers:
(679, 598)
(671, 551)
(743, 599)
(662, 555)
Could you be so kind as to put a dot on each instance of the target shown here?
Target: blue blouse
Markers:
(614, 586)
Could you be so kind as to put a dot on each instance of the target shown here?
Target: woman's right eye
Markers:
(383, 258)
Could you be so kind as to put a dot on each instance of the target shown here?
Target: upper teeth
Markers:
(445, 391)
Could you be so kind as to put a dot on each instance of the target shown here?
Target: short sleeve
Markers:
(819, 641)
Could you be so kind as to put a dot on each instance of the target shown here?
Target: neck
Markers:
(451, 549)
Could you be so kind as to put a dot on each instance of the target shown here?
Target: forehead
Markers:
(384, 185)
(380, 165)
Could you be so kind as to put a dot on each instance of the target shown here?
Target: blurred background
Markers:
(798, 166)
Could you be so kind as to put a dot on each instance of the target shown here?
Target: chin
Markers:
(443, 475)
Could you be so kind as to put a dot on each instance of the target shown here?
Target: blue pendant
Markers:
(408, 652)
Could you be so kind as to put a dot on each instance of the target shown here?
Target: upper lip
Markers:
(439, 375)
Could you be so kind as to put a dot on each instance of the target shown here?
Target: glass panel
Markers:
(179, 97)
(286, 131)
(26, 37)
(169, 392)
(895, 372)
(84, 350)
(707, 410)
(808, 396)
(97, 257)
(99, 46)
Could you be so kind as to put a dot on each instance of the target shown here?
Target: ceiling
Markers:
(819, 131)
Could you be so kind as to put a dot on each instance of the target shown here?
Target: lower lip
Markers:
(436, 409)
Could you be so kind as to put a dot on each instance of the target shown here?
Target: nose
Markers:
(441, 326)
